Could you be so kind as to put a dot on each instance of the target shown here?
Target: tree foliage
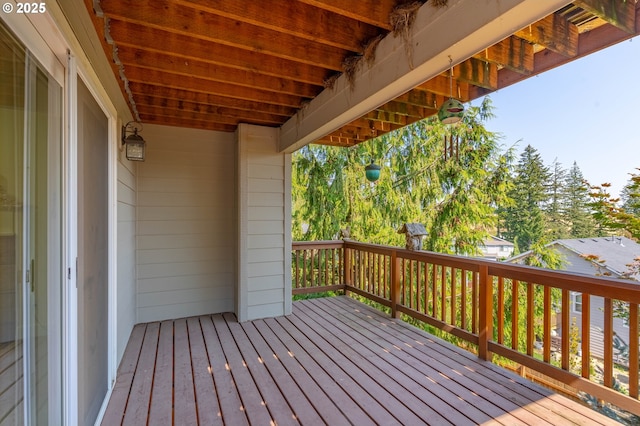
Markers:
(576, 205)
(524, 219)
(611, 215)
(454, 194)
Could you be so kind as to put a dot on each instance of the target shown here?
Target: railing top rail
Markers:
(615, 288)
(327, 244)
(627, 291)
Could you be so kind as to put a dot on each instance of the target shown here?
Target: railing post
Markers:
(347, 265)
(485, 320)
(395, 284)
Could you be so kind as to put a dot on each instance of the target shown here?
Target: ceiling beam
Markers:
(514, 53)
(555, 33)
(178, 107)
(194, 68)
(145, 89)
(182, 46)
(328, 28)
(149, 76)
(464, 28)
(590, 42)
(478, 73)
(373, 12)
(621, 14)
(206, 26)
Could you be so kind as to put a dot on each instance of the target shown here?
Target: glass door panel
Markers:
(12, 112)
(30, 238)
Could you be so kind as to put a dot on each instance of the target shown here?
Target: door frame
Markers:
(52, 42)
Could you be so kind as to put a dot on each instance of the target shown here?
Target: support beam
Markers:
(555, 33)
(513, 53)
(457, 31)
(621, 14)
(590, 42)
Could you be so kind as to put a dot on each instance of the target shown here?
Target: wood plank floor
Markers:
(333, 361)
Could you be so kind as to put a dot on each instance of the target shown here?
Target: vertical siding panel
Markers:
(264, 195)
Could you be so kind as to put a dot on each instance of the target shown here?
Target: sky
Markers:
(587, 111)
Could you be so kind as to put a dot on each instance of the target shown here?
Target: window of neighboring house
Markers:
(576, 302)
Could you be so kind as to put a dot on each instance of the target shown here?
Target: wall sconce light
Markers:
(134, 144)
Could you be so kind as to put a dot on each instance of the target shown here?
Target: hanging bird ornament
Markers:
(451, 112)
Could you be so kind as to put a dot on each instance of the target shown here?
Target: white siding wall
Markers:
(186, 243)
(264, 231)
(126, 281)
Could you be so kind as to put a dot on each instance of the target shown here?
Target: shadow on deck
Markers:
(333, 361)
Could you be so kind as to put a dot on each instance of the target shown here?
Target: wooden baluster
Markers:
(361, 261)
(475, 305)
(327, 281)
(313, 267)
(485, 313)
(546, 323)
(371, 284)
(297, 263)
(419, 286)
(395, 284)
(566, 331)
(530, 318)
(379, 280)
(633, 350)
(434, 289)
(385, 273)
(586, 335)
(304, 268)
(411, 289)
(454, 284)
(443, 293)
(500, 314)
(463, 299)
(514, 313)
(608, 342)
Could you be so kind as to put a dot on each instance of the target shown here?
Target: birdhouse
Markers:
(413, 234)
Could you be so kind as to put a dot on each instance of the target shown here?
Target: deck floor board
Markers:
(333, 361)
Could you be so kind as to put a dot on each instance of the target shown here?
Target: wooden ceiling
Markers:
(212, 64)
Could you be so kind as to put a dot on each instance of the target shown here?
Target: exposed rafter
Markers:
(212, 64)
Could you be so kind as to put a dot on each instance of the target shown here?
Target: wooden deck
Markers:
(333, 361)
(10, 383)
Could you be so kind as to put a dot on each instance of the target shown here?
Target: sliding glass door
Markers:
(30, 238)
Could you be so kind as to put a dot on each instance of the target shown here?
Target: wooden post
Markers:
(395, 284)
(347, 265)
(485, 320)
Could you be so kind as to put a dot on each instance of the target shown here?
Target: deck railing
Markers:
(500, 308)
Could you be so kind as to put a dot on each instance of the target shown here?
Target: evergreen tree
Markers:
(454, 194)
(524, 220)
(556, 227)
(630, 195)
(577, 212)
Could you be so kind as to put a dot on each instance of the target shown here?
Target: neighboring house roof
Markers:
(613, 253)
(496, 241)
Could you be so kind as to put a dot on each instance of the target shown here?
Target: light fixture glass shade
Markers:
(451, 111)
(372, 172)
(134, 147)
